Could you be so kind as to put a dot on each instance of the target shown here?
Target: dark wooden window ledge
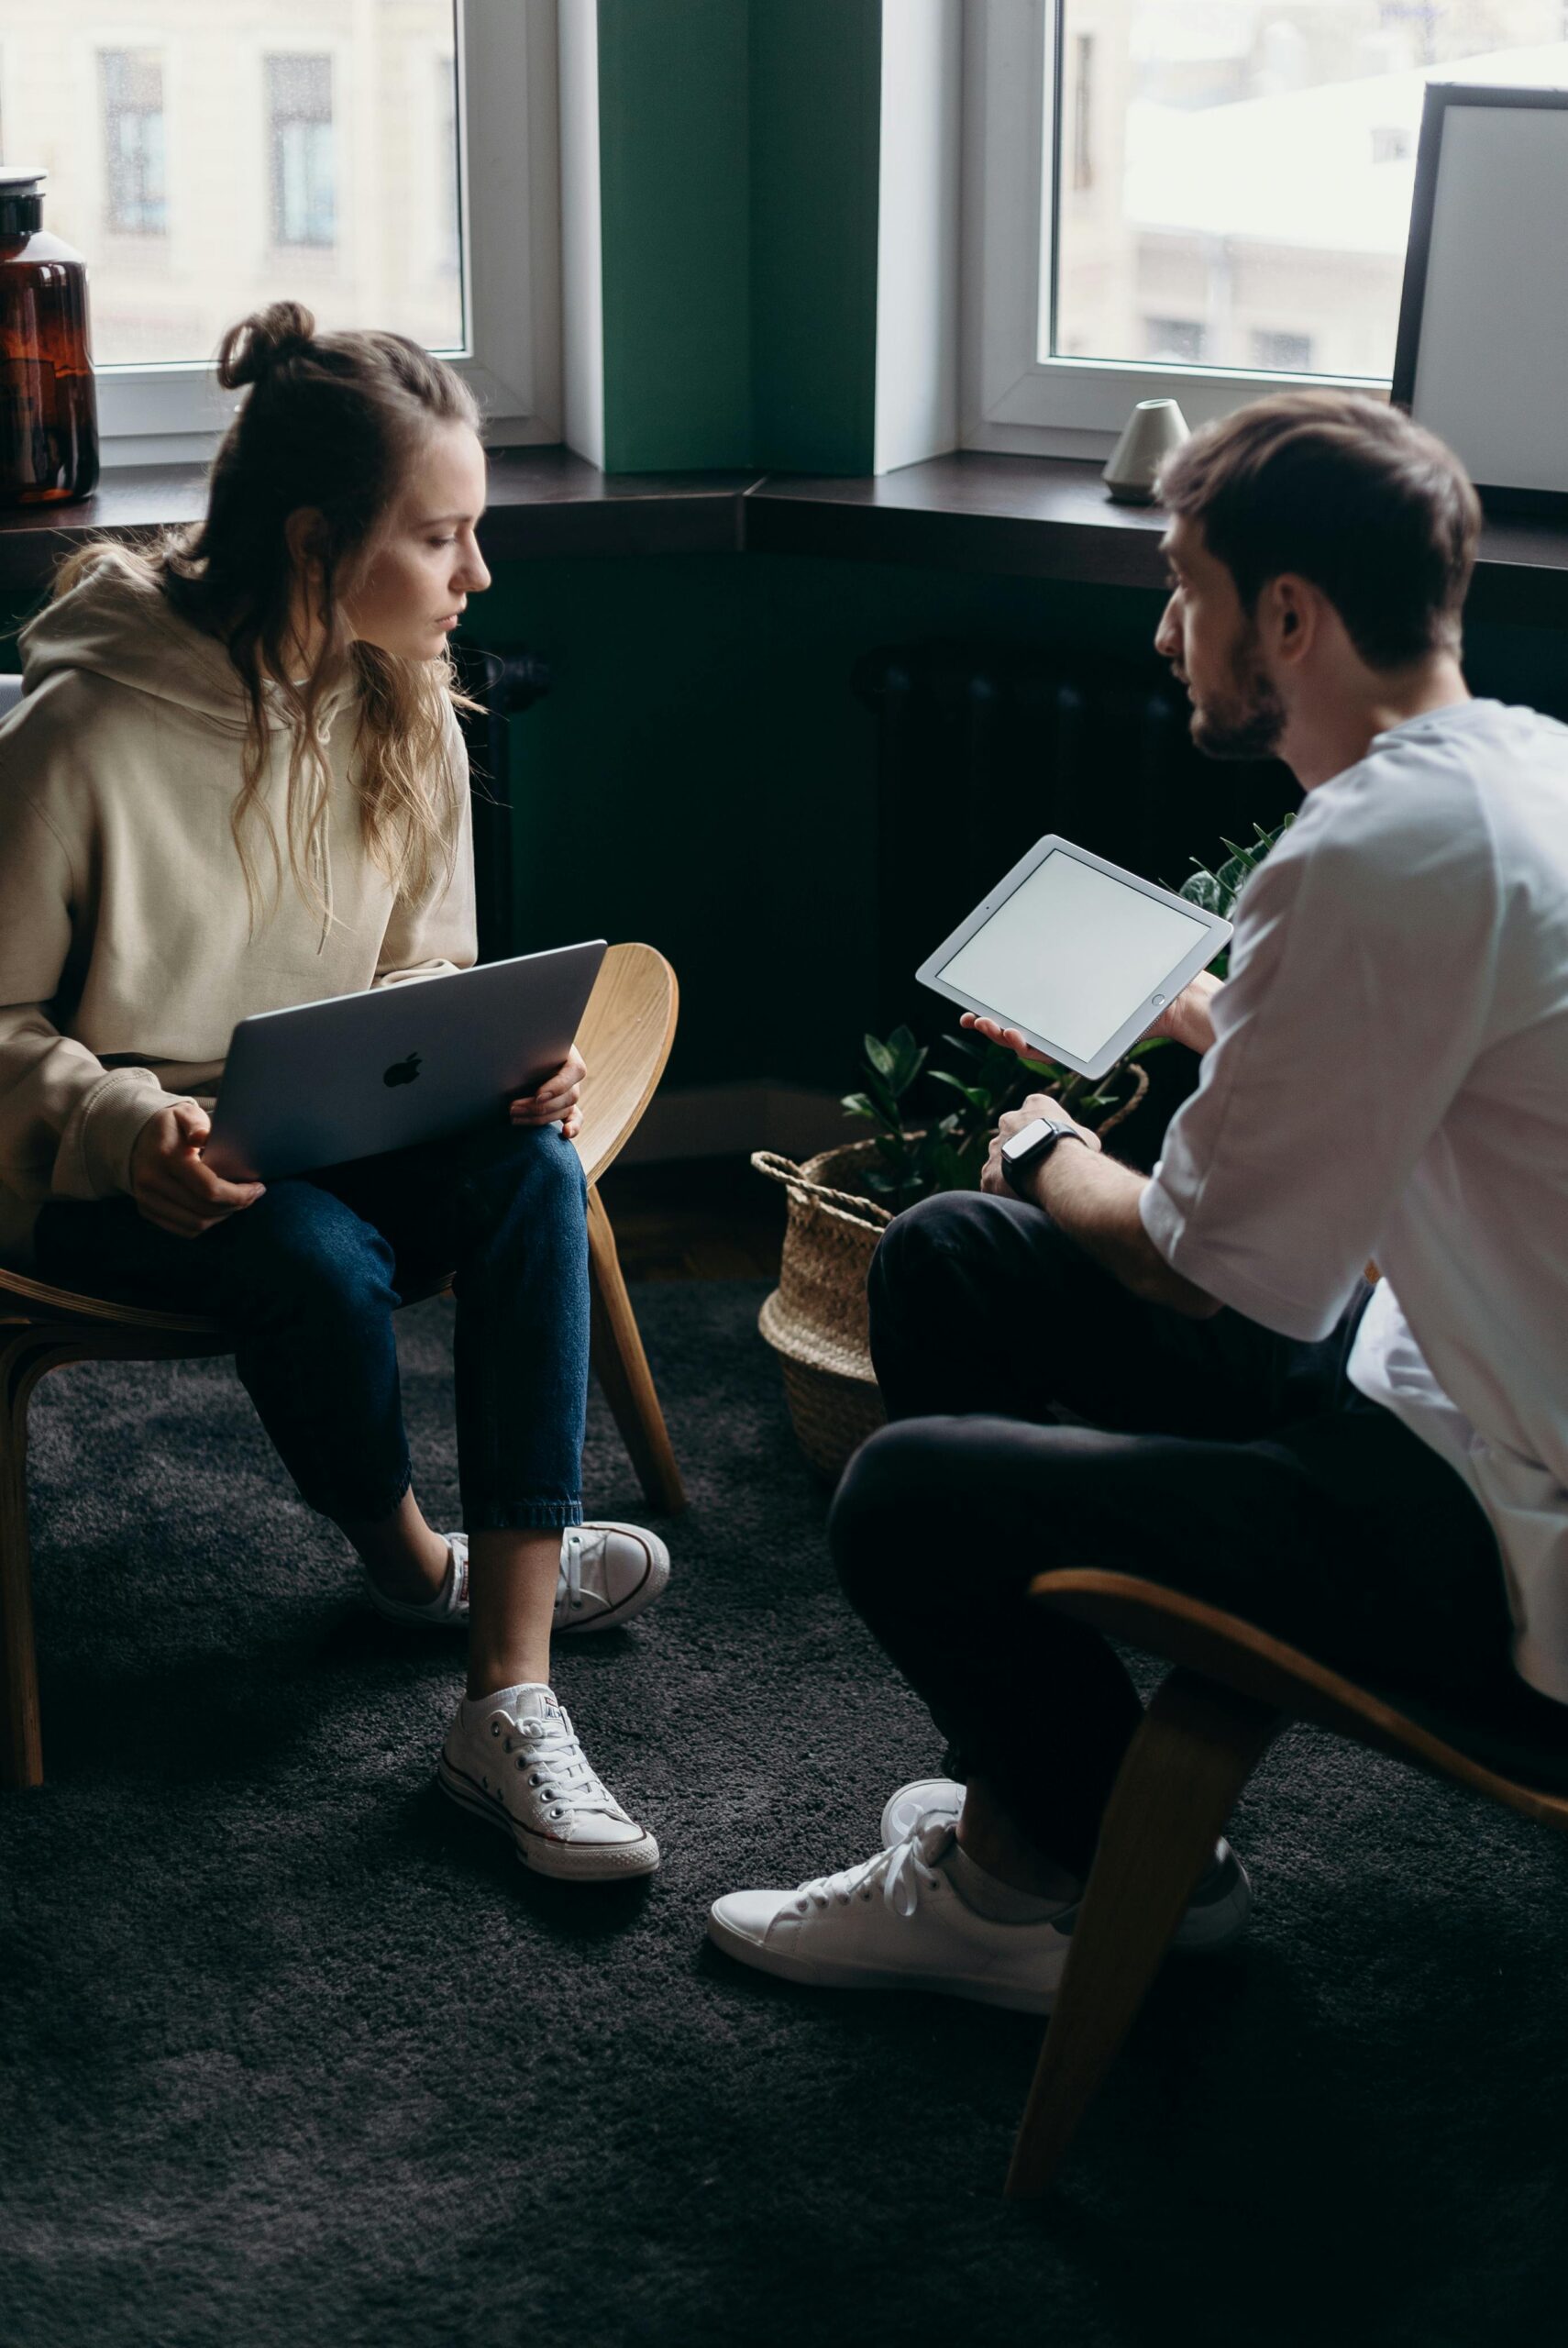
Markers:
(1024, 516)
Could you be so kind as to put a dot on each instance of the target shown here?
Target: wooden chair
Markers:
(625, 1039)
(1233, 1690)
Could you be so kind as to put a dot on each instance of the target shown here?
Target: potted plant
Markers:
(842, 1200)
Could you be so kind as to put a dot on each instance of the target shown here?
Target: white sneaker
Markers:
(1216, 1914)
(513, 1759)
(894, 1922)
(608, 1573)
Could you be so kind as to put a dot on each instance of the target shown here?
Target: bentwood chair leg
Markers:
(1198, 1744)
(21, 1741)
(622, 1369)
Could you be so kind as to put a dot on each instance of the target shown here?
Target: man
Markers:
(1186, 1376)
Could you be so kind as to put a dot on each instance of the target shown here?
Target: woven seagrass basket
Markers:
(815, 1320)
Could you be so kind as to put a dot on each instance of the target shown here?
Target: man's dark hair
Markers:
(1347, 493)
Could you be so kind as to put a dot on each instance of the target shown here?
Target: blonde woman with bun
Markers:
(235, 783)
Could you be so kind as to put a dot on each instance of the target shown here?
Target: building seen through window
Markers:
(135, 203)
(226, 153)
(1235, 180)
(299, 137)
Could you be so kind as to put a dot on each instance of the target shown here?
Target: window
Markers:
(387, 164)
(1282, 354)
(301, 156)
(132, 86)
(1391, 143)
(1083, 115)
(447, 204)
(1179, 340)
(1221, 187)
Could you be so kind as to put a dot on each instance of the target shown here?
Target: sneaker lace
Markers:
(547, 1749)
(901, 1873)
(580, 1545)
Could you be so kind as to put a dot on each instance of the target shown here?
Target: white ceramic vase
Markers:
(1154, 429)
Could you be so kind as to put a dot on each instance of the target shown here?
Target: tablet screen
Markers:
(1072, 954)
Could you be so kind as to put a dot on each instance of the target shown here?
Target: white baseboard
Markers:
(728, 1120)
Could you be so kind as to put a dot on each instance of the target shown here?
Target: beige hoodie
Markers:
(125, 958)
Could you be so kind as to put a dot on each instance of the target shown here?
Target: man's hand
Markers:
(556, 1099)
(1188, 1019)
(1039, 1105)
(995, 1033)
(171, 1188)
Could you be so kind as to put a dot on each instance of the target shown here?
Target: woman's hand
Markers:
(556, 1100)
(171, 1188)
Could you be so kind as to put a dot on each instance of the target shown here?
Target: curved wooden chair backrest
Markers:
(1221, 1646)
(625, 1038)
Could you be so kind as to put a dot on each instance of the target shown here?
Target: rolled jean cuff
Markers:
(523, 1516)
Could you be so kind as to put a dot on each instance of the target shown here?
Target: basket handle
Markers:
(775, 1168)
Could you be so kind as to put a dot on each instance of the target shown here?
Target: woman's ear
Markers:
(304, 534)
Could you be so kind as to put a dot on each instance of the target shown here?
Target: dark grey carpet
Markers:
(293, 2053)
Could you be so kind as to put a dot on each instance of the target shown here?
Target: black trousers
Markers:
(1042, 1415)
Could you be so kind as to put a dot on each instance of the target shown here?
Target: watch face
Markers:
(1029, 1137)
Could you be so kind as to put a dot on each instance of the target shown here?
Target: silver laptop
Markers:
(361, 1073)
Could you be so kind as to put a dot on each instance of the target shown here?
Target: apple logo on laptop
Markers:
(403, 1072)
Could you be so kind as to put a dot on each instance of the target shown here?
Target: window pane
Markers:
(235, 151)
(1234, 176)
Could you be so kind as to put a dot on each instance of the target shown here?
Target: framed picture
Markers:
(1482, 354)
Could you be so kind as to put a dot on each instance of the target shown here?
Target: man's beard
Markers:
(1250, 721)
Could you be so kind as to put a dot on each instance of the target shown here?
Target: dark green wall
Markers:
(702, 775)
(816, 73)
(674, 179)
(738, 171)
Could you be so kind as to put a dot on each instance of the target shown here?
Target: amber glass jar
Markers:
(49, 415)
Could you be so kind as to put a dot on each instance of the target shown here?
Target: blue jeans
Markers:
(305, 1281)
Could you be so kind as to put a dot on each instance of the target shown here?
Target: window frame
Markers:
(506, 111)
(1011, 398)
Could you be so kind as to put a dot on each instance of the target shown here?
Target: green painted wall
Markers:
(675, 180)
(816, 71)
(702, 775)
(738, 168)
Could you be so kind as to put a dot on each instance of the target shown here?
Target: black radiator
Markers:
(504, 684)
(980, 749)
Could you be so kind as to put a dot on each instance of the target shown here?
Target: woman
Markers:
(236, 782)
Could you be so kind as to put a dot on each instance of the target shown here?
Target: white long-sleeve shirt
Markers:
(1389, 1080)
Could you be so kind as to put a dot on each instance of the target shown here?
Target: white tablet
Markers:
(1078, 954)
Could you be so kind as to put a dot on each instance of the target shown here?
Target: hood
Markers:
(117, 622)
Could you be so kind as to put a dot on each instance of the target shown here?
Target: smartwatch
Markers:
(1029, 1146)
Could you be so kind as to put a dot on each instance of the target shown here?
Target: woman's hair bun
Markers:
(252, 350)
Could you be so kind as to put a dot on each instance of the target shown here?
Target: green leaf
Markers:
(879, 1057)
(856, 1104)
(973, 1093)
(909, 1058)
(1202, 889)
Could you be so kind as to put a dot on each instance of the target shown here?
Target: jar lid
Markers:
(14, 180)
